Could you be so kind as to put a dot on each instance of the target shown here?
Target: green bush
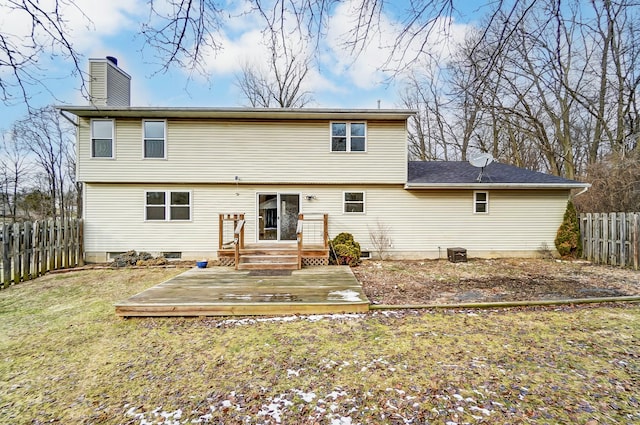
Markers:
(345, 250)
(568, 241)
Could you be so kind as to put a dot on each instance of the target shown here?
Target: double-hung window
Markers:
(481, 202)
(168, 206)
(102, 138)
(353, 202)
(348, 136)
(154, 138)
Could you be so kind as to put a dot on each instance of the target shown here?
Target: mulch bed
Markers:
(494, 280)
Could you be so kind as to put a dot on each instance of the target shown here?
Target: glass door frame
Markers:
(259, 217)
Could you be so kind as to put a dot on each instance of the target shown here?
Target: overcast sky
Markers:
(112, 28)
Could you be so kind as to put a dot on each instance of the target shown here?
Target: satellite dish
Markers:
(481, 160)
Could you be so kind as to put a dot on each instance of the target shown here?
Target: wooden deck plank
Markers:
(222, 291)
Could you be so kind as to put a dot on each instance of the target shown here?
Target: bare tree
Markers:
(49, 139)
(13, 173)
(281, 84)
(557, 93)
(615, 185)
(429, 129)
(21, 54)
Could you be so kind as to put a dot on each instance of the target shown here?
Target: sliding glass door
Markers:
(278, 216)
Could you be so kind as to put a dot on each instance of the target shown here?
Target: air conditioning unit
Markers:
(457, 255)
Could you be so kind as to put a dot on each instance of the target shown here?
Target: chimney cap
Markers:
(113, 60)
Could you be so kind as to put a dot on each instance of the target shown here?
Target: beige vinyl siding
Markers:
(98, 83)
(118, 93)
(211, 151)
(420, 222)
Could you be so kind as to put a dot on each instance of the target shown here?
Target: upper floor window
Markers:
(348, 136)
(353, 202)
(481, 202)
(168, 205)
(154, 138)
(102, 138)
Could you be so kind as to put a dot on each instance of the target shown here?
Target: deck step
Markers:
(268, 259)
(268, 266)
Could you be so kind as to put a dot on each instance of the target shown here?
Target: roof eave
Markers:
(236, 112)
(479, 186)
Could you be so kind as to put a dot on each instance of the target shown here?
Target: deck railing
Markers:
(238, 240)
(231, 224)
(312, 226)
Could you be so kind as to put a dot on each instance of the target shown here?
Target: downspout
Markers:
(584, 189)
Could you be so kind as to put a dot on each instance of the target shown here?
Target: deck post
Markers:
(299, 238)
(220, 230)
(325, 221)
(242, 232)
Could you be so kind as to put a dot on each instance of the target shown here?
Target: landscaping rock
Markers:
(132, 258)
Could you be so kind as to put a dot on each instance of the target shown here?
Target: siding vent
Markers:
(172, 255)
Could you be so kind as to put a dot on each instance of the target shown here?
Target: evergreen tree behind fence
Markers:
(31, 249)
(611, 238)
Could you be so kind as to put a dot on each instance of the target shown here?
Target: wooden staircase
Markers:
(272, 256)
(269, 258)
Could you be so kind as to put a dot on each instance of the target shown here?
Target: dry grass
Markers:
(67, 359)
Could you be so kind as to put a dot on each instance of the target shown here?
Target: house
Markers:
(169, 179)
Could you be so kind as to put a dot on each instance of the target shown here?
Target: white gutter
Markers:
(476, 186)
(236, 112)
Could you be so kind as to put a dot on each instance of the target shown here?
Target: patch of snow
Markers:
(346, 295)
(335, 394)
(308, 397)
(283, 319)
(291, 372)
(485, 412)
(341, 421)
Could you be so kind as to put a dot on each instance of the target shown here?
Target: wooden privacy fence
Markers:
(30, 249)
(611, 238)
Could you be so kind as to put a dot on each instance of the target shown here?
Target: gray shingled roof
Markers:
(462, 174)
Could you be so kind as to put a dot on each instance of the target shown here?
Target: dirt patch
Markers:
(478, 280)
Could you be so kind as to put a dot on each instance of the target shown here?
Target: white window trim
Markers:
(364, 202)
(475, 202)
(165, 139)
(167, 206)
(113, 138)
(348, 135)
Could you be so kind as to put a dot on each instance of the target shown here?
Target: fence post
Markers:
(17, 257)
(589, 238)
(80, 242)
(6, 255)
(635, 249)
(26, 250)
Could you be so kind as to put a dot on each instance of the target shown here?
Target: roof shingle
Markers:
(424, 173)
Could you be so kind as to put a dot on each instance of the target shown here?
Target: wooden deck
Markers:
(223, 291)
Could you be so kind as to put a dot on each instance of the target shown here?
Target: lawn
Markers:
(66, 358)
